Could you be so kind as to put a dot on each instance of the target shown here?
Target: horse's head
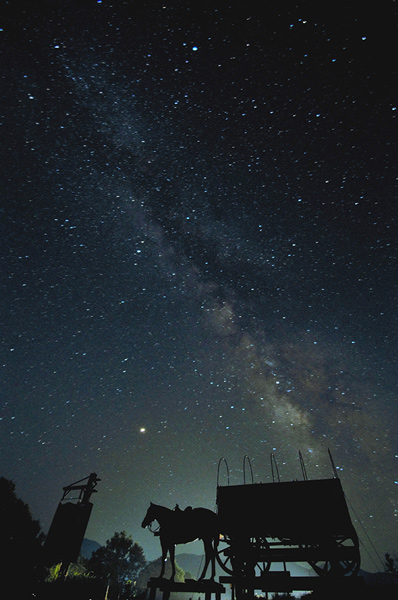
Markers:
(150, 516)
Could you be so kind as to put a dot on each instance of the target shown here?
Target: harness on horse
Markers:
(154, 531)
(177, 509)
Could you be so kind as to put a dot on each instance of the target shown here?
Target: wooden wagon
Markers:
(286, 522)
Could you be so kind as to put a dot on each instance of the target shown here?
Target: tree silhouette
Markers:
(119, 563)
(391, 564)
(21, 538)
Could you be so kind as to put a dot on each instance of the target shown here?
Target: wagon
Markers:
(285, 522)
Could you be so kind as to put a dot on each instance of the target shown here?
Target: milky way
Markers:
(198, 254)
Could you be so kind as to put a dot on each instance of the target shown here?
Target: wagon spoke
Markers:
(343, 558)
(223, 555)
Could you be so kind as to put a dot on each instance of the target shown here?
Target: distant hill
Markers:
(193, 564)
(88, 547)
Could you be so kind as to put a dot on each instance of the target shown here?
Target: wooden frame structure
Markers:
(207, 587)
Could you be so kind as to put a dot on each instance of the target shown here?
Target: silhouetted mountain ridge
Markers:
(88, 547)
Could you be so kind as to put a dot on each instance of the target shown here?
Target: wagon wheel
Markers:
(224, 554)
(343, 557)
(237, 556)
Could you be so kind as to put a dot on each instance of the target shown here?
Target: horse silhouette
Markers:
(181, 527)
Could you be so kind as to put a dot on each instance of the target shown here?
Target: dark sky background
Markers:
(198, 239)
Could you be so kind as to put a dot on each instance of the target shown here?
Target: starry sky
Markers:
(198, 253)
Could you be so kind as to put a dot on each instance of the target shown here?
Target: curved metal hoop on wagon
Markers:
(268, 525)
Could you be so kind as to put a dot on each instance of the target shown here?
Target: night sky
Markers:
(198, 253)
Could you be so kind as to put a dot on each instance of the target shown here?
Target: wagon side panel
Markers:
(299, 510)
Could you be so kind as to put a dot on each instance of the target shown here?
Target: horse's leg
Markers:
(208, 554)
(172, 549)
(214, 544)
(212, 556)
(164, 556)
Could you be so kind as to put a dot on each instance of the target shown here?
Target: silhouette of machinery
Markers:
(285, 522)
(66, 533)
